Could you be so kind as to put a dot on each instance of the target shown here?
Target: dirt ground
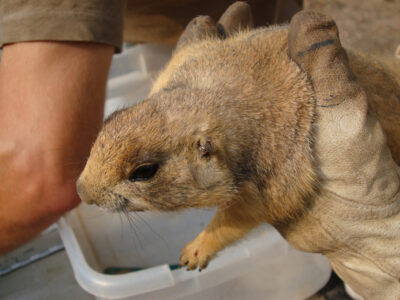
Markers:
(371, 26)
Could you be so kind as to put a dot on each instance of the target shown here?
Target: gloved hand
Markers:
(355, 219)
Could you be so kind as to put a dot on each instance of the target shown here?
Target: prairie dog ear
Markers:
(197, 29)
(237, 16)
(313, 43)
(205, 146)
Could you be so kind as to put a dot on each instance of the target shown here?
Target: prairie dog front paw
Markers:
(200, 251)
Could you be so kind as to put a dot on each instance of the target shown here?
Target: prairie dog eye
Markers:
(144, 172)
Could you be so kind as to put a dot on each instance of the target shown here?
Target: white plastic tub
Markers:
(262, 266)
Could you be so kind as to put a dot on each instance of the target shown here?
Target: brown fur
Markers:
(245, 97)
(192, 100)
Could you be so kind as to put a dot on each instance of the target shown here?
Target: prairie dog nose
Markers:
(82, 191)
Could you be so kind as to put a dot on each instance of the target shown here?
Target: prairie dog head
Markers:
(148, 157)
(223, 122)
(166, 153)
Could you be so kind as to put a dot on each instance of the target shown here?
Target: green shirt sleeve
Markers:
(98, 21)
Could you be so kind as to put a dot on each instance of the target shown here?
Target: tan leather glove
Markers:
(355, 219)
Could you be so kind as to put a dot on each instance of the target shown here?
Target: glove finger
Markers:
(237, 16)
(197, 29)
(313, 43)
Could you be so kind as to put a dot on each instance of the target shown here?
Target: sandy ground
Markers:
(371, 26)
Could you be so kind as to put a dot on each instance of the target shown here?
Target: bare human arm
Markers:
(51, 107)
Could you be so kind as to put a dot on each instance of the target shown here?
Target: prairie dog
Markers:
(228, 123)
